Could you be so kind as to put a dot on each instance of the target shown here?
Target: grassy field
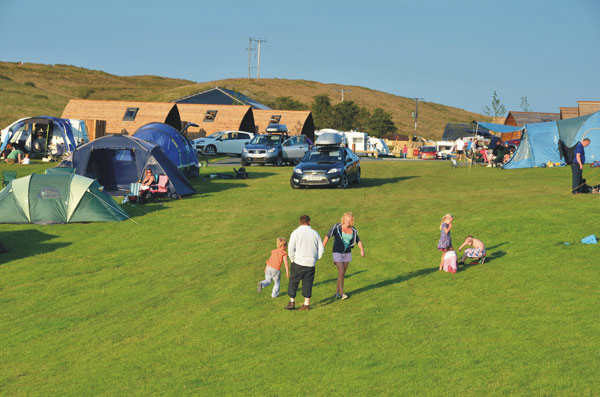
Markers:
(168, 305)
(36, 89)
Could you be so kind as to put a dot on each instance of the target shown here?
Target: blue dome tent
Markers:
(116, 161)
(176, 146)
(22, 131)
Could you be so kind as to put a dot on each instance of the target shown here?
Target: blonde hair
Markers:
(445, 218)
(349, 216)
(281, 242)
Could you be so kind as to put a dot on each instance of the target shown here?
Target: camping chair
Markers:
(134, 192)
(8, 176)
(160, 189)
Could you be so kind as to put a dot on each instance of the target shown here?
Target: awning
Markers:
(501, 128)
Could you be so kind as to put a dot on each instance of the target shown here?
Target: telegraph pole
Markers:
(342, 90)
(416, 114)
(258, 44)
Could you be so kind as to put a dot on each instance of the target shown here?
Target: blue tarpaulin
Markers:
(539, 142)
(504, 129)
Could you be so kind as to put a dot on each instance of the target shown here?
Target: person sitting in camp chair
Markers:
(146, 183)
(476, 249)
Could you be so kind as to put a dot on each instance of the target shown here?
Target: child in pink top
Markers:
(273, 268)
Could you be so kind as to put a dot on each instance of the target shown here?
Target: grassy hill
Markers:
(33, 89)
(168, 305)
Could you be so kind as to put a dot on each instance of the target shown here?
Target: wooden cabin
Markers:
(298, 122)
(588, 107)
(522, 118)
(568, 112)
(123, 116)
(583, 108)
(214, 118)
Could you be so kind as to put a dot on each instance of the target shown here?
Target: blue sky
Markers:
(450, 52)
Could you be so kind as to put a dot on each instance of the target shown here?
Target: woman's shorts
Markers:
(474, 253)
(339, 257)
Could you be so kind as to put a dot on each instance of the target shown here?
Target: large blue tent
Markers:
(540, 141)
(21, 129)
(177, 147)
(116, 161)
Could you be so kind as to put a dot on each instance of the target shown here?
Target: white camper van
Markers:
(378, 145)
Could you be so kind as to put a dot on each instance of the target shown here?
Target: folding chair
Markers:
(160, 188)
(8, 176)
(134, 192)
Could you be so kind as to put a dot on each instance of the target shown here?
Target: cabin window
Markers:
(210, 115)
(275, 119)
(130, 114)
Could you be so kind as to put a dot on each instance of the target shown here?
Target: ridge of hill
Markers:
(35, 89)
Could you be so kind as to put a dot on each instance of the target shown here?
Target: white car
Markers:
(223, 142)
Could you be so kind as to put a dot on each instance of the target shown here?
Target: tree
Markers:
(286, 103)
(525, 104)
(496, 108)
(363, 118)
(322, 112)
(345, 115)
(381, 123)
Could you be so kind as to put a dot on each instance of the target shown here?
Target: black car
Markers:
(327, 166)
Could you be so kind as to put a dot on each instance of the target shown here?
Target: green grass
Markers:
(168, 305)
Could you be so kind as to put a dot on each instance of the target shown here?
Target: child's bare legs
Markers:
(442, 260)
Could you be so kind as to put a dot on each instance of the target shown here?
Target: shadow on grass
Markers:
(496, 246)
(135, 210)
(372, 182)
(207, 187)
(385, 283)
(25, 243)
(475, 262)
(330, 280)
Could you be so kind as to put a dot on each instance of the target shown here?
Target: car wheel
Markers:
(278, 162)
(210, 150)
(293, 185)
(245, 164)
(344, 181)
(357, 179)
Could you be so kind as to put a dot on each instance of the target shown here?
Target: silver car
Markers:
(294, 148)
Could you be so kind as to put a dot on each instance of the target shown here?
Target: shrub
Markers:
(3, 77)
(30, 84)
(40, 96)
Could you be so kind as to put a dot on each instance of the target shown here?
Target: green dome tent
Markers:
(57, 198)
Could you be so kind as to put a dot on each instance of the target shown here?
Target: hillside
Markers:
(34, 89)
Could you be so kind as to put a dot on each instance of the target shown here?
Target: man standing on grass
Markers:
(459, 144)
(305, 248)
(577, 165)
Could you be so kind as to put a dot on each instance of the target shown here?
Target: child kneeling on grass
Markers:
(273, 268)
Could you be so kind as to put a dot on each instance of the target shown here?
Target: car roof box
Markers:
(276, 128)
(329, 139)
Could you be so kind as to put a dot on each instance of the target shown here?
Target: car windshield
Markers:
(216, 135)
(266, 140)
(323, 156)
(428, 149)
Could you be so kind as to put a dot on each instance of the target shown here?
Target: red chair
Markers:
(161, 187)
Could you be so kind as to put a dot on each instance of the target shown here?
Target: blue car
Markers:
(327, 166)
